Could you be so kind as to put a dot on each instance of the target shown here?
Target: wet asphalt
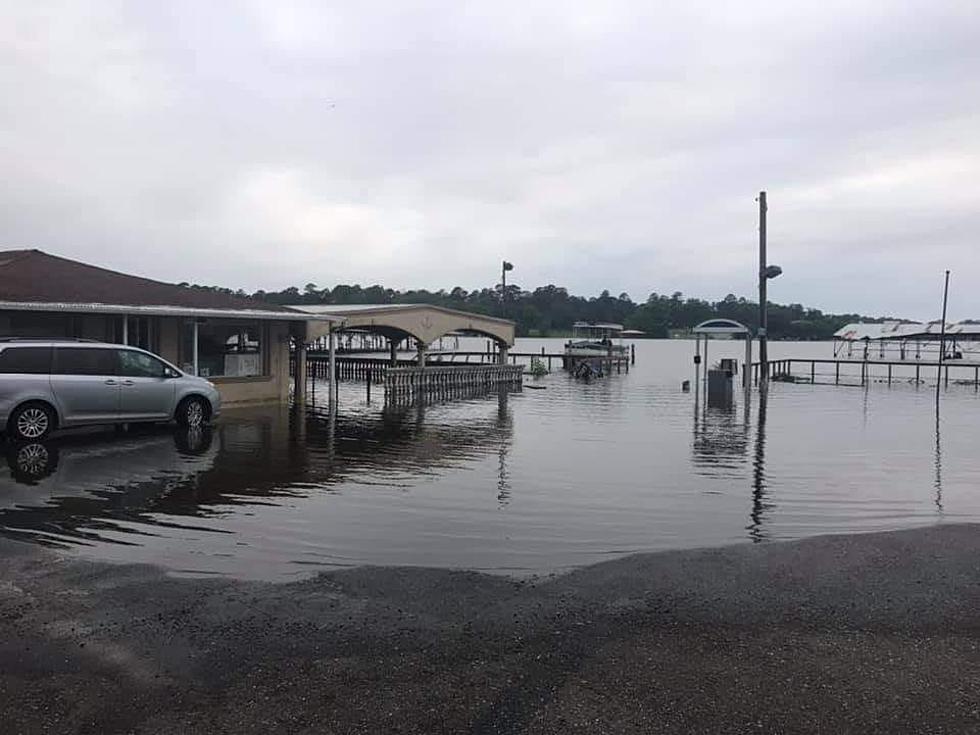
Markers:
(863, 634)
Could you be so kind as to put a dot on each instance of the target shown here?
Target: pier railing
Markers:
(407, 380)
(862, 372)
(408, 383)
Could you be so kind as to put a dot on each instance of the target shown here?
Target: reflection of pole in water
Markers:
(759, 489)
(939, 466)
(503, 476)
(864, 405)
(697, 398)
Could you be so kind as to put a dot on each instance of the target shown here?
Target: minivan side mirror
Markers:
(170, 373)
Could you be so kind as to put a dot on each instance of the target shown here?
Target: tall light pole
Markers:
(765, 273)
(503, 285)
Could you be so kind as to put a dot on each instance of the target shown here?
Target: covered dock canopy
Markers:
(423, 322)
(892, 330)
(909, 338)
(727, 329)
(719, 327)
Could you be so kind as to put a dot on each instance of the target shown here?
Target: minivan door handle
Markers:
(127, 382)
(111, 382)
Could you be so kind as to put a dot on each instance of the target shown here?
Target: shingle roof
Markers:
(33, 276)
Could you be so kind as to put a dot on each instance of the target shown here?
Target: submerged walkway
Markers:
(864, 634)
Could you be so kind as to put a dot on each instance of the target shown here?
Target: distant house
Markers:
(241, 344)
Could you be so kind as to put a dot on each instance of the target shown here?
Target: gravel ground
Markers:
(869, 633)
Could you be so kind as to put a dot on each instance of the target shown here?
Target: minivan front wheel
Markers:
(32, 422)
(192, 412)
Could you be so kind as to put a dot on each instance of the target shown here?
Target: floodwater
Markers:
(555, 476)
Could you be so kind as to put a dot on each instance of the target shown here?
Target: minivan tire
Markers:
(32, 422)
(193, 412)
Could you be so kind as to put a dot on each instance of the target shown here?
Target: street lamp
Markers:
(766, 272)
(503, 285)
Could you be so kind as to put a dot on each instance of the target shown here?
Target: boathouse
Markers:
(419, 325)
(239, 343)
(422, 323)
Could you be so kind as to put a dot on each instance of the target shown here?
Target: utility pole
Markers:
(766, 272)
(942, 340)
(763, 311)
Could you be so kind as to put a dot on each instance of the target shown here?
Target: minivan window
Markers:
(31, 360)
(134, 364)
(84, 361)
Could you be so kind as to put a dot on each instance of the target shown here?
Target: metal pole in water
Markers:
(763, 317)
(942, 338)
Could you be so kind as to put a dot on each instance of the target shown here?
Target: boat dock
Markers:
(830, 371)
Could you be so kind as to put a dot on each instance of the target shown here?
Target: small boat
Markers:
(593, 347)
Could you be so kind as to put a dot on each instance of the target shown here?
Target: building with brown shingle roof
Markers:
(239, 343)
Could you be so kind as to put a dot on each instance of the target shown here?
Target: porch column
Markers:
(420, 346)
(194, 353)
(393, 349)
(502, 354)
(299, 375)
(125, 335)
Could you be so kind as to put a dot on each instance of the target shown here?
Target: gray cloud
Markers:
(270, 144)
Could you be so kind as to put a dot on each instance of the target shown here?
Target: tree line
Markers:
(551, 310)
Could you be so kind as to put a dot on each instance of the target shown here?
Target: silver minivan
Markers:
(51, 384)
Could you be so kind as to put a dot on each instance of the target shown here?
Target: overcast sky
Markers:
(274, 143)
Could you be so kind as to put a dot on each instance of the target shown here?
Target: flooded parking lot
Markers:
(527, 482)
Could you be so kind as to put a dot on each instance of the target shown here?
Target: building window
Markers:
(224, 348)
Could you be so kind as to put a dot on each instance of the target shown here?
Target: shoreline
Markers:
(849, 633)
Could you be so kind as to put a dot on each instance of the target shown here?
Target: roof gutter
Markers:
(176, 311)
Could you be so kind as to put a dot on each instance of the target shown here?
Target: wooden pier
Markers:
(406, 380)
(411, 383)
(863, 372)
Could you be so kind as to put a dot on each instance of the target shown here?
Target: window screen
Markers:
(84, 361)
(32, 360)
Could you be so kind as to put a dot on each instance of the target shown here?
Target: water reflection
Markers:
(69, 490)
(938, 484)
(761, 506)
(107, 487)
(721, 438)
(505, 423)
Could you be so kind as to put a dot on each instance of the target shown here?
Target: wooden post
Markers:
(813, 371)
(837, 372)
(332, 385)
(746, 378)
(889, 373)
